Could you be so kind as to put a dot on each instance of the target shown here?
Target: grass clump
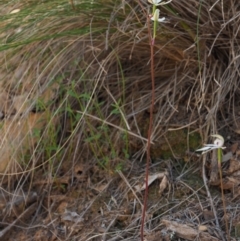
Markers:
(75, 87)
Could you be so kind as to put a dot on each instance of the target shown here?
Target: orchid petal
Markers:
(158, 2)
(156, 16)
(160, 20)
(155, 2)
(204, 148)
(211, 145)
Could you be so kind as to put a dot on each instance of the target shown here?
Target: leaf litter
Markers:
(84, 201)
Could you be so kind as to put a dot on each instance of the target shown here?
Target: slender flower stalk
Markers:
(155, 18)
(155, 15)
(218, 144)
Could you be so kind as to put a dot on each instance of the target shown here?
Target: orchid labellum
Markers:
(218, 143)
(158, 2)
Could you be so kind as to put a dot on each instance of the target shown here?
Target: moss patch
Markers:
(175, 144)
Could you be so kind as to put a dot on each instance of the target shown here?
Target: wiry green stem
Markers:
(155, 23)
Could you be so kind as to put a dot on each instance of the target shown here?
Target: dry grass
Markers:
(87, 71)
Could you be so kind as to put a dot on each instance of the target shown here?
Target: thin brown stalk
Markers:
(223, 201)
(150, 125)
(151, 41)
(149, 141)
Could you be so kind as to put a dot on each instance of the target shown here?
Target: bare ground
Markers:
(75, 114)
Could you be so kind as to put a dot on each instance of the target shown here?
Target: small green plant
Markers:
(218, 145)
(155, 17)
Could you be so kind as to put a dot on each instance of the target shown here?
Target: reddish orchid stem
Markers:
(149, 140)
(151, 41)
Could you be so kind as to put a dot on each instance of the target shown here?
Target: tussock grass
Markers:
(87, 71)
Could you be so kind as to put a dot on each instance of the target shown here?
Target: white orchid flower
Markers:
(218, 143)
(156, 16)
(158, 2)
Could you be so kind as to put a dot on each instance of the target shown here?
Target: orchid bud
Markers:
(156, 17)
(219, 141)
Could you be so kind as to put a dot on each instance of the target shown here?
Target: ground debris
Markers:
(187, 232)
(152, 178)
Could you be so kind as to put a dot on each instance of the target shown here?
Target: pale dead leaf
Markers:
(163, 185)
(151, 179)
(202, 228)
(15, 11)
(234, 166)
(186, 232)
(72, 217)
(181, 230)
(229, 183)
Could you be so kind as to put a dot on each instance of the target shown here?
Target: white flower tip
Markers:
(155, 2)
(160, 20)
(219, 141)
(158, 2)
(156, 16)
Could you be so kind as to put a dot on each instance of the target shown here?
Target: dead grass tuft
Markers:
(86, 73)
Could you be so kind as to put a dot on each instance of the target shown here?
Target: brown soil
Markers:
(73, 148)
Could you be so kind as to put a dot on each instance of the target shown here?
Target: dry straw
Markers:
(98, 55)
